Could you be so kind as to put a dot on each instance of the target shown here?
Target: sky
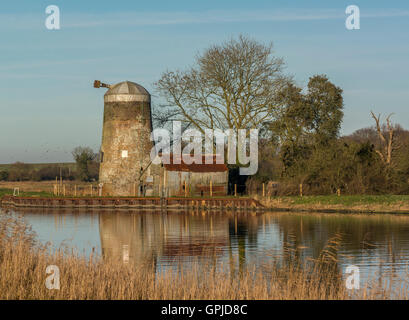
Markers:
(48, 105)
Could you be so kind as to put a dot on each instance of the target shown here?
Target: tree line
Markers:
(86, 169)
(241, 84)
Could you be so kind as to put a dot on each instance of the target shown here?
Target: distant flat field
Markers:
(38, 166)
(33, 186)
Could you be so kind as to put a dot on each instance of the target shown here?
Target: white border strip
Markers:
(127, 98)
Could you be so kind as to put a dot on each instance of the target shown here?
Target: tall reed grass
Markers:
(23, 263)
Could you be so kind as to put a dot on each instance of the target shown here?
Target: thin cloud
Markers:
(209, 17)
(81, 20)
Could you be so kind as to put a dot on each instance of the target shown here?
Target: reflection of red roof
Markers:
(195, 248)
(196, 167)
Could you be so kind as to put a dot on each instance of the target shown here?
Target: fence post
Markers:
(63, 188)
(75, 190)
(300, 189)
(211, 188)
(185, 189)
(338, 192)
(264, 190)
(235, 190)
(91, 189)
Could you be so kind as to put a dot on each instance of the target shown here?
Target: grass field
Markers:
(4, 192)
(29, 186)
(348, 200)
(358, 203)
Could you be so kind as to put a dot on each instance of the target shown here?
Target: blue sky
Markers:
(48, 105)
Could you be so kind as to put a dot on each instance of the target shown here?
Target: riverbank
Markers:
(340, 204)
(394, 204)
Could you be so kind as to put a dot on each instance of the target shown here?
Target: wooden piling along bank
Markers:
(175, 203)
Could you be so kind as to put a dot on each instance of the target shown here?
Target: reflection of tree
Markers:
(375, 235)
(243, 231)
(237, 237)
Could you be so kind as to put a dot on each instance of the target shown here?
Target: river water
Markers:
(377, 244)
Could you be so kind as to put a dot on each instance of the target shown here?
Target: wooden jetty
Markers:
(170, 203)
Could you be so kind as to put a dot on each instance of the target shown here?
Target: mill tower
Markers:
(126, 144)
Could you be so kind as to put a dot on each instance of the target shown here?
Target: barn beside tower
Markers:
(126, 145)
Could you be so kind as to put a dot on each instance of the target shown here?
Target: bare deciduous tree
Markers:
(387, 143)
(232, 85)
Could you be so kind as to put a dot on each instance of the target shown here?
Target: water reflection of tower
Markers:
(131, 237)
(149, 237)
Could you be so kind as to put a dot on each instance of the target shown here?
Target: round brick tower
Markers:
(126, 144)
